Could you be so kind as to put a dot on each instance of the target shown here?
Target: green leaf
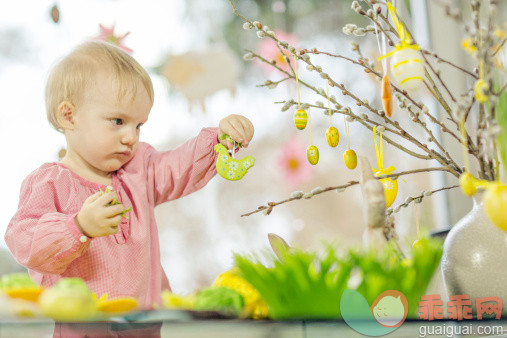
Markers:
(501, 119)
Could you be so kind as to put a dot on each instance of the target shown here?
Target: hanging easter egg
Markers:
(387, 101)
(407, 67)
(229, 168)
(390, 186)
(300, 119)
(313, 154)
(350, 159)
(495, 204)
(332, 136)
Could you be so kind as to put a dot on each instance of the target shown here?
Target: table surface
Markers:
(183, 324)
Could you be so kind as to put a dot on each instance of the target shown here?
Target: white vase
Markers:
(474, 261)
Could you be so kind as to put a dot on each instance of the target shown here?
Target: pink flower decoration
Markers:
(107, 35)
(267, 48)
(293, 162)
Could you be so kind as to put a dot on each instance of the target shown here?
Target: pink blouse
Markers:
(43, 236)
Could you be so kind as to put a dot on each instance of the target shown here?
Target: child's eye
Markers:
(139, 126)
(117, 122)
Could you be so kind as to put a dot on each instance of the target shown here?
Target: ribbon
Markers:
(404, 37)
(380, 156)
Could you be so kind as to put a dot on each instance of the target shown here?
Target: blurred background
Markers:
(193, 50)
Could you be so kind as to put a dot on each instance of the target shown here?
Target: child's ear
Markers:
(65, 115)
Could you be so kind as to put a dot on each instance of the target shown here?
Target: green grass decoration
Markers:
(307, 285)
(301, 285)
(387, 271)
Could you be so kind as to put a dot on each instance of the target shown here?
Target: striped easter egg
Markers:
(313, 155)
(332, 136)
(300, 119)
(407, 67)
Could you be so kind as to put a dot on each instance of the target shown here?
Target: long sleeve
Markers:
(40, 236)
(179, 172)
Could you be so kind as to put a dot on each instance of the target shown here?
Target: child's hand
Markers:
(238, 127)
(96, 218)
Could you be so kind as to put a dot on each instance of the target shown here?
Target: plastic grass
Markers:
(308, 285)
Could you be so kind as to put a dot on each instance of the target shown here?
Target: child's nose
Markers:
(129, 136)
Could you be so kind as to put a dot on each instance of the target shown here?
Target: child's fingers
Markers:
(106, 198)
(113, 221)
(93, 198)
(234, 134)
(249, 130)
(113, 210)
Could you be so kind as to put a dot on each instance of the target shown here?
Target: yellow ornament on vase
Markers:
(312, 153)
(350, 159)
(468, 183)
(495, 204)
(332, 136)
(300, 119)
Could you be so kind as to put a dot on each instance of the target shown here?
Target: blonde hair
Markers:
(75, 72)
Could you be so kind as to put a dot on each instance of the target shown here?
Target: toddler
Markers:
(99, 97)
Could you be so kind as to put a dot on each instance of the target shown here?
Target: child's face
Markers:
(106, 131)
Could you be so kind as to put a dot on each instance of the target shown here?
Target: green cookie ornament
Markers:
(229, 168)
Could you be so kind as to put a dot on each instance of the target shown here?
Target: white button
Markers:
(83, 239)
(109, 187)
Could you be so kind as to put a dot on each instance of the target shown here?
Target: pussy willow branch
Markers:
(444, 128)
(416, 199)
(270, 83)
(270, 205)
(454, 168)
(499, 47)
(365, 120)
(427, 52)
(445, 161)
(437, 74)
(435, 91)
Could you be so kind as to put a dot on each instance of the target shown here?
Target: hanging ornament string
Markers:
(299, 97)
(347, 131)
(329, 105)
(297, 80)
(380, 156)
(403, 34)
(380, 50)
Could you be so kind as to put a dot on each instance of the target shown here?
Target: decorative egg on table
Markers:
(350, 159)
(332, 136)
(407, 67)
(390, 186)
(313, 154)
(300, 119)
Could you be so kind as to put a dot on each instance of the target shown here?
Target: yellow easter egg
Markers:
(390, 189)
(407, 67)
(332, 136)
(300, 119)
(313, 155)
(495, 204)
(350, 159)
